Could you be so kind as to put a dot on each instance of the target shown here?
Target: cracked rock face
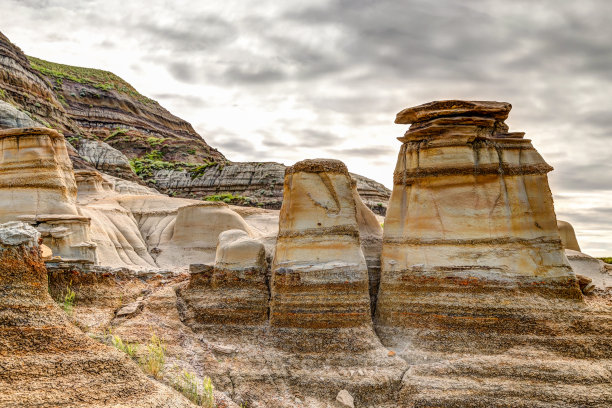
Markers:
(319, 272)
(46, 361)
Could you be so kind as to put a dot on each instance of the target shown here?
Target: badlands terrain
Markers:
(141, 268)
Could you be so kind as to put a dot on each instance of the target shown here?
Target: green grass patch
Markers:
(228, 198)
(200, 393)
(95, 77)
(128, 348)
(607, 260)
(154, 360)
(155, 141)
(69, 300)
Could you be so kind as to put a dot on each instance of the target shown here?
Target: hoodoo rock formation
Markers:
(47, 361)
(319, 273)
(38, 186)
(470, 209)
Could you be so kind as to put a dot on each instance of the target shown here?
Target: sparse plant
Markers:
(128, 348)
(201, 394)
(69, 299)
(155, 141)
(153, 362)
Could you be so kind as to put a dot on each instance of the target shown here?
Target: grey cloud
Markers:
(184, 72)
(371, 152)
(190, 100)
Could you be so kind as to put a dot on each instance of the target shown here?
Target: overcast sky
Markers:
(287, 80)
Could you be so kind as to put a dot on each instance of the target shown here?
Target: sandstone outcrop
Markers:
(38, 186)
(319, 273)
(46, 361)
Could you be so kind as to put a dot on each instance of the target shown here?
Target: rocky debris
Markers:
(345, 399)
(106, 159)
(46, 361)
(11, 117)
(319, 273)
(232, 292)
(568, 236)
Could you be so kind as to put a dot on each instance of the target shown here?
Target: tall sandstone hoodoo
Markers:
(471, 212)
(319, 273)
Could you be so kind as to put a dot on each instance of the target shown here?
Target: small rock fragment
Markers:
(345, 399)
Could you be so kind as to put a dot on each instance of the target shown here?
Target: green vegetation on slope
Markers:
(95, 77)
(607, 260)
(154, 160)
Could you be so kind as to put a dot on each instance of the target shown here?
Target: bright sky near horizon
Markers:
(283, 81)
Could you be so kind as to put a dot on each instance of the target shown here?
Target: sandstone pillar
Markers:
(471, 214)
(37, 186)
(319, 273)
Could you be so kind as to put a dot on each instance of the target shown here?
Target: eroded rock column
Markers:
(471, 214)
(37, 185)
(319, 273)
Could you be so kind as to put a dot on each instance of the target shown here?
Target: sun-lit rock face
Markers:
(470, 209)
(319, 273)
(38, 186)
(46, 360)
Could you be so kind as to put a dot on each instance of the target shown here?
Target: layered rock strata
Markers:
(46, 361)
(234, 291)
(38, 186)
(471, 210)
(319, 273)
(260, 183)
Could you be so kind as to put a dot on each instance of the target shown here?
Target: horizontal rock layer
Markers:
(46, 361)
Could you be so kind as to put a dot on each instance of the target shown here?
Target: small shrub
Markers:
(69, 299)
(116, 132)
(153, 362)
(155, 141)
(201, 394)
(228, 198)
(128, 348)
(191, 151)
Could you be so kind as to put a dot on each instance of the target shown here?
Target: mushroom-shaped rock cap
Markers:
(318, 166)
(436, 109)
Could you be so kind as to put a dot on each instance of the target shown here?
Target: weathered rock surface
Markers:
(46, 361)
(107, 159)
(11, 117)
(38, 186)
